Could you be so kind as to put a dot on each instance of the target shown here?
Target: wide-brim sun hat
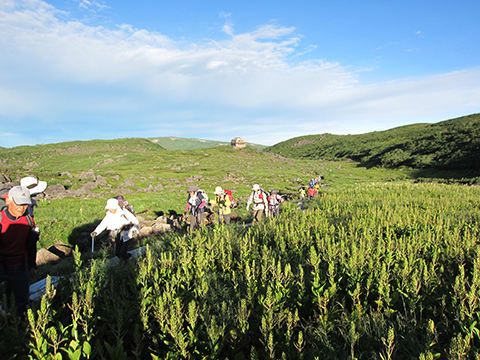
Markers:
(218, 190)
(33, 185)
(20, 195)
(256, 187)
(192, 188)
(274, 191)
(112, 204)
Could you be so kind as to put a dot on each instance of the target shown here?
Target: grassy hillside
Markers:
(154, 179)
(175, 143)
(77, 156)
(451, 144)
(376, 268)
(371, 271)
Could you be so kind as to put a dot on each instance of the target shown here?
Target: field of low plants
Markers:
(372, 270)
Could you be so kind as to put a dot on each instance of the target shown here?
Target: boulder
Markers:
(66, 174)
(57, 191)
(44, 257)
(4, 178)
(86, 175)
(62, 251)
(90, 185)
(100, 180)
(127, 182)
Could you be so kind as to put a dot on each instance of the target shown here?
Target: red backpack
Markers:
(232, 201)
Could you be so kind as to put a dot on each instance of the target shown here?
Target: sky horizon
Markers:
(264, 71)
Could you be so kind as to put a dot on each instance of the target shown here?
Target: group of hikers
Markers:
(19, 234)
(313, 188)
(261, 202)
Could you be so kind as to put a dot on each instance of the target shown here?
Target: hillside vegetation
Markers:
(370, 271)
(451, 144)
(175, 143)
(377, 267)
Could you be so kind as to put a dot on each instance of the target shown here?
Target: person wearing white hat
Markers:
(222, 200)
(18, 250)
(35, 187)
(259, 200)
(123, 226)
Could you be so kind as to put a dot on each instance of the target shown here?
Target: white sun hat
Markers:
(33, 185)
(112, 204)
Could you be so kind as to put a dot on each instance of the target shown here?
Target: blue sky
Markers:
(263, 70)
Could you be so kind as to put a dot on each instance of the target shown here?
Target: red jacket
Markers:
(14, 234)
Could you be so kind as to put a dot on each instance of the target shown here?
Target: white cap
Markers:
(112, 204)
(256, 187)
(20, 195)
(33, 185)
(218, 190)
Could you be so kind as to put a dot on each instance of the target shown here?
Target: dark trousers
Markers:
(196, 221)
(121, 249)
(17, 281)
(275, 211)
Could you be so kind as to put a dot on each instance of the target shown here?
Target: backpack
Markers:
(204, 195)
(262, 195)
(273, 200)
(124, 205)
(3, 198)
(232, 201)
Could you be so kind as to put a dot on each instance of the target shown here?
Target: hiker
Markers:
(259, 199)
(196, 203)
(123, 226)
(274, 201)
(311, 192)
(222, 200)
(302, 193)
(18, 247)
(35, 187)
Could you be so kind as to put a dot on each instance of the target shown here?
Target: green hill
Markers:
(451, 144)
(175, 143)
(76, 156)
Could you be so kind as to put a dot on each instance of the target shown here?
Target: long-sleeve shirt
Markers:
(259, 200)
(116, 221)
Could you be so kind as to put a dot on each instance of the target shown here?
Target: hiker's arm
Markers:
(33, 237)
(130, 217)
(102, 226)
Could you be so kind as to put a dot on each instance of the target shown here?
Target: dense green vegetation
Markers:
(377, 271)
(452, 144)
(380, 266)
(175, 143)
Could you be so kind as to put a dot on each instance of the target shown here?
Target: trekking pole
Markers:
(93, 242)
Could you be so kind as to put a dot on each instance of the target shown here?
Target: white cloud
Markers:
(56, 70)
